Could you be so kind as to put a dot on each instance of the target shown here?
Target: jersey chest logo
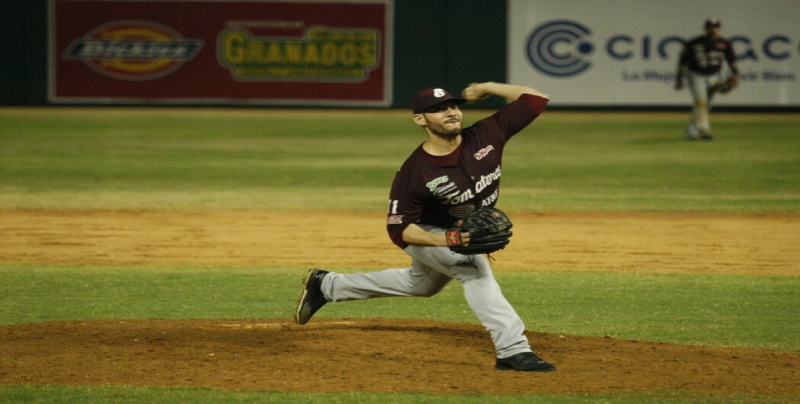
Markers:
(433, 184)
(483, 152)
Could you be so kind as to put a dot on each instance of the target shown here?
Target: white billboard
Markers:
(625, 52)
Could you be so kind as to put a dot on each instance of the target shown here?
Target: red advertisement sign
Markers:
(260, 52)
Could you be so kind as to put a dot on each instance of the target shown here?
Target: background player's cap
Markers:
(431, 97)
(713, 22)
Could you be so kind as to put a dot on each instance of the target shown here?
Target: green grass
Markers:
(255, 159)
(737, 311)
(644, 164)
(121, 395)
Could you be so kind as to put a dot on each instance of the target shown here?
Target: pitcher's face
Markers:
(443, 120)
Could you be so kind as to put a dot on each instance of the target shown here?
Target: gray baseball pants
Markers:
(432, 268)
(699, 85)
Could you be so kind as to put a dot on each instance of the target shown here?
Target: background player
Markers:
(453, 173)
(701, 61)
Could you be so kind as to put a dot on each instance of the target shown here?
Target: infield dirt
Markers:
(383, 354)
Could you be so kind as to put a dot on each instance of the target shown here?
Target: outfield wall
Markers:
(625, 51)
(430, 43)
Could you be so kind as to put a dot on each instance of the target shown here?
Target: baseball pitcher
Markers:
(441, 213)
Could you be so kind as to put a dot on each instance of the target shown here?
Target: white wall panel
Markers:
(625, 52)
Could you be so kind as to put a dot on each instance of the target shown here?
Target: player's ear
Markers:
(420, 120)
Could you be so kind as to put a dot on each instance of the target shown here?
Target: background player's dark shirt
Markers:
(436, 190)
(705, 54)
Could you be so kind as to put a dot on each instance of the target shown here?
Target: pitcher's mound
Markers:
(377, 355)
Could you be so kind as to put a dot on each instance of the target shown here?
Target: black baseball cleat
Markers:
(524, 362)
(706, 135)
(312, 298)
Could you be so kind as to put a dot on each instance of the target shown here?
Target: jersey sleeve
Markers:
(536, 103)
(685, 55)
(730, 56)
(511, 119)
(405, 206)
(683, 60)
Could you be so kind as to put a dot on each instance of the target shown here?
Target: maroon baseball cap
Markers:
(431, 97)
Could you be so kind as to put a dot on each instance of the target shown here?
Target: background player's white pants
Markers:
(699, 86)
(432, 268)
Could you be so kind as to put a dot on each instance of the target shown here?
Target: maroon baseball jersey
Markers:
(705, 54)
(437, 190)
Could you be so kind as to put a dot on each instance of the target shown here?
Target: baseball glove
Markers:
(727, 85)
(488, 228)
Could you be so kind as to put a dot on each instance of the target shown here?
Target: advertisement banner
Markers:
(259, 52)
(625, 52)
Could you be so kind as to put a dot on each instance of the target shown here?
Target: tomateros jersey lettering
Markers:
(487, 180)
(705, 54)
(427, 193)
